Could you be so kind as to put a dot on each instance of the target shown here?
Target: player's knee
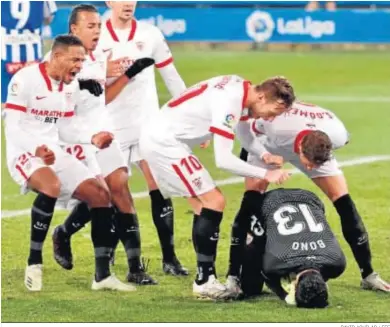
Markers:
(52, 188)
(117, 182)
(216, 201)
(102, 196)
(97, 194)
(45, 181)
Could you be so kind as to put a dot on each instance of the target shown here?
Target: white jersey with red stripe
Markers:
(284, 133)
(90, 109)
(40, 112)
(212, 106)
(138, 100)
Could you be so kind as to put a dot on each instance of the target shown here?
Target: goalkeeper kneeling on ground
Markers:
(291, 249)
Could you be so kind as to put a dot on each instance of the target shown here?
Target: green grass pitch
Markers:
(356, 86)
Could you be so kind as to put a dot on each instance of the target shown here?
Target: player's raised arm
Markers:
(116, 87)
(164, 62)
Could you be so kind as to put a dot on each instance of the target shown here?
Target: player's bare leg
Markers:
(206, 235)
(45, 182)
(253, 187)
(163, 218)
(354, 231)
(127, 227)
(98, 199)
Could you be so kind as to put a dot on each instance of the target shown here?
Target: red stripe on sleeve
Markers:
(164, 63)
(221, 132)
(15, 107)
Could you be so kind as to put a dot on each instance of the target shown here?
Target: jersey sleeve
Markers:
(14, 113)
(248, 138)
(225, 115)
(17, 98)
(162, 55)
(49, 8)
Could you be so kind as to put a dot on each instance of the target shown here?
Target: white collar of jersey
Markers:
(114, 36)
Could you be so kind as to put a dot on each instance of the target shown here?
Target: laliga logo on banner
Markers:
(260, 26)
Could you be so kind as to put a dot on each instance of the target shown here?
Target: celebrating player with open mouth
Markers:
(38, 116)
(108, 163)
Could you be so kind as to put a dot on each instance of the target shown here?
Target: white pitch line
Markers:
(228, 181)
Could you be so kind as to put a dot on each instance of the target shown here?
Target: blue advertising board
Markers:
(270, 25)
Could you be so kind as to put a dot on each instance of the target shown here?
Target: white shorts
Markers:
(177, 171)
(86, 153)
(329, 168)
(99, 162)
(110, 159)
(69, 171)
(131, 155)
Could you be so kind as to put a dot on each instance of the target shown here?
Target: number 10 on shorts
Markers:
(192, 174)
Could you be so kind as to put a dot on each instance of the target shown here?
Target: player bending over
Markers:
(210, 109)
(290, 247)
(305, 136)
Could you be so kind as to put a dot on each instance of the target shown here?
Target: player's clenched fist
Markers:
(274, 160)
(102, 139)
(45, 154)
(277, 176)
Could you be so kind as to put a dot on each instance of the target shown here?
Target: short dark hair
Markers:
(278, 88)
(317, 147)
(66, 41)
(311, 291)
(74, 15)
